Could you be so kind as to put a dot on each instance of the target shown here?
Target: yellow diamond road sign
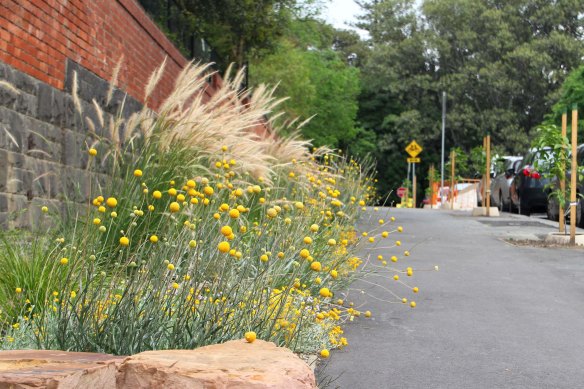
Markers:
(413, 149)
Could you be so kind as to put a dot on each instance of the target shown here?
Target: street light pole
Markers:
(442, 160)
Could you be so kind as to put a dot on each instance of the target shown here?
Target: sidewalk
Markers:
(496, 315)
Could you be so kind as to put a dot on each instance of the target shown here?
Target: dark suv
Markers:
(527, 189)
(553, 207)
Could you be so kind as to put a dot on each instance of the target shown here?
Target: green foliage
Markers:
(501, 64)
(553, 159)
(320, 85)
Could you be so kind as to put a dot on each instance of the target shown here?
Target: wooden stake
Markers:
(573, 175)
(483, 189)
(431, 174)
(488, 177)
(562, 219)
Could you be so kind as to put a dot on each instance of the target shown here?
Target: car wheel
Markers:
(553, 210)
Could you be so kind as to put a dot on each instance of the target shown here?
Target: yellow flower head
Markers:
(174, 207)
(137, 173)
(223, 247)
(234, 214)
(64, 261)
(124, 241)
(157, 194)
(226, 230)
(250, 336)
(153, 239)
(92, 152)
(111, 202)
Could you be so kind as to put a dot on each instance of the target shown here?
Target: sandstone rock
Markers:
(235, 364)
(26, 369)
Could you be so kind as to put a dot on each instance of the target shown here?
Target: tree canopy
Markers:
(500, 62)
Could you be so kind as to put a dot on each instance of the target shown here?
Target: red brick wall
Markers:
(37, 36)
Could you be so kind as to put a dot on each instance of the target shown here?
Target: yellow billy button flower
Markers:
(396, 277)
(316, 266)
(238, 192)
(332, 242)
(97, 221)
(299, 205)
(415, 289)
(101, 209)
(124, 241)
(73, 294)
(407, 253)
(111, 202)
(288, 221)
(208, 190)
(392, 219)
(45, 209)
(307, 240)
(64, 261)
(172, 192)
(334, 273)
(264, 258)
(304, 253)
(114, 214)
(393, 258)
(272, 212)
(102, 229)
(223, 247)
(367, 313)
(324, 353)
(151, 208)
(280, 255)
(226, 230)
(234, 214)
(398, 243)
(170, 266)
(92, 152)
(174, 207)
(385, 234)
(153, 239)
(250, 336)
(157, 194)
(325, 292)
(400, 229)
(193, 244)
(18, 290)
(175, 285)
(181, 197)
(371, 239)
(137, 173)
(314, 228)
(413, 304)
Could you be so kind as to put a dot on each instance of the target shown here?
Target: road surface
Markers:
(494, 316)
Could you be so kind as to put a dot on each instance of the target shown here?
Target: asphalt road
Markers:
(494, 316)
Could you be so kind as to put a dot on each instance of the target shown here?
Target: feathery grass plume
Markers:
(153, 80)
(98, 112)
(74, 93)
(6, 85)
(114, 80)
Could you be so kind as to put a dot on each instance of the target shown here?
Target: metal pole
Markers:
(442, 159)
(573, 175)
(488, 177)
(414, 184)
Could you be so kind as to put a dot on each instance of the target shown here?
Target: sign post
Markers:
(488, 177)
(413, 149)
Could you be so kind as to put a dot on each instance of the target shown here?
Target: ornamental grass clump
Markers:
(202, 233)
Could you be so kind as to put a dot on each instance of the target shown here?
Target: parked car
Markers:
(553, 208)
(527, 189)
(500, 186)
